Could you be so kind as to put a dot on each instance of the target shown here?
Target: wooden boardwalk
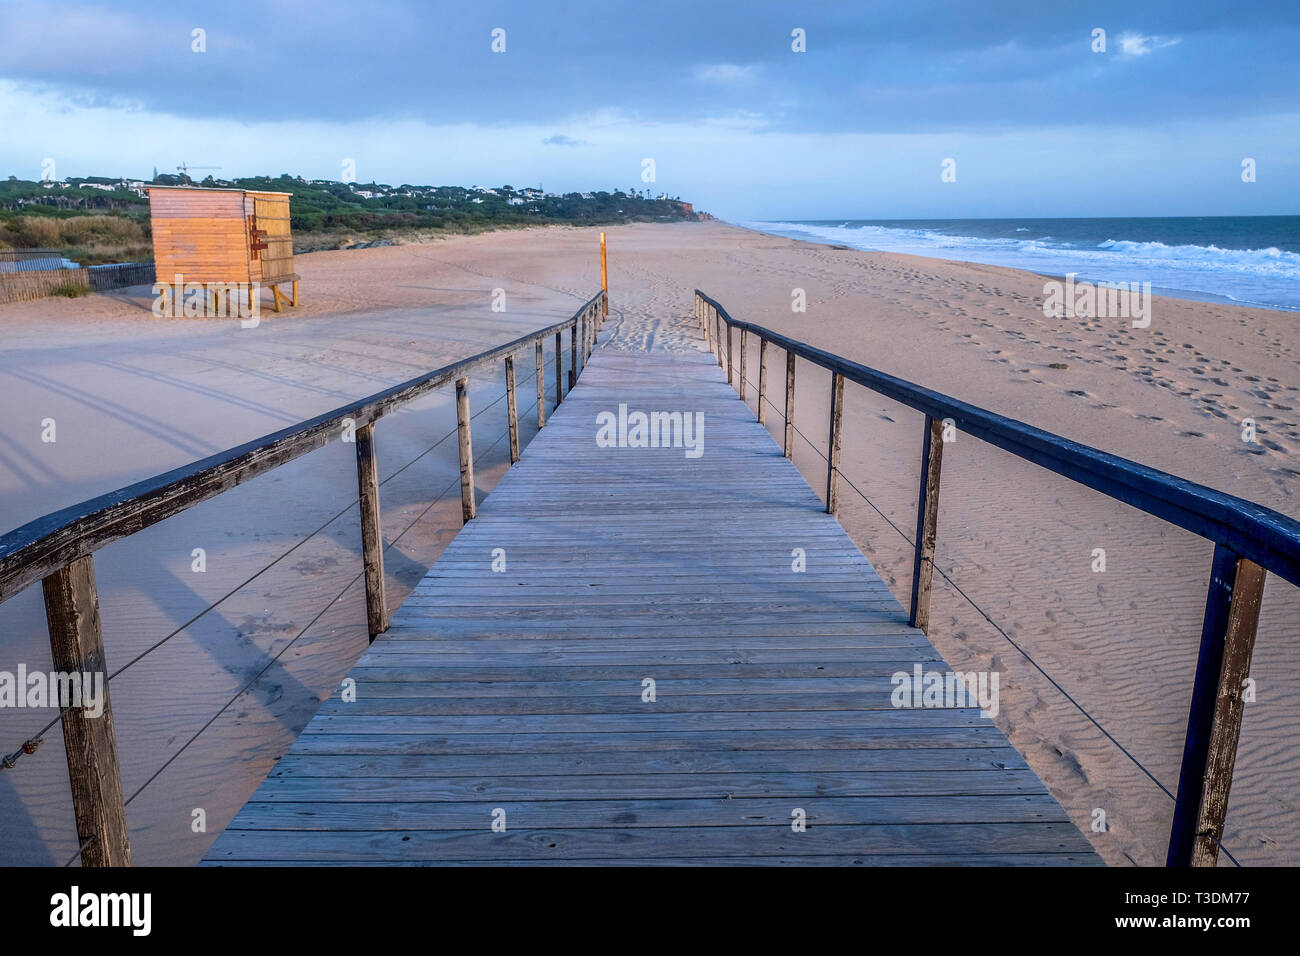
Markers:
(521, 692)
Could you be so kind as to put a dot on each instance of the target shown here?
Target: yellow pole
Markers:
(604, 274)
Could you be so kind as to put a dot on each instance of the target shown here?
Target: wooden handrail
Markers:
(1267, 537)
(57, 548)
(1250, 540)
(32, 551)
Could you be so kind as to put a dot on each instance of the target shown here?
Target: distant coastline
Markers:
(1246, 261)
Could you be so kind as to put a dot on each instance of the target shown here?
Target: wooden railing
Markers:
(57, 549)
(1249, 541)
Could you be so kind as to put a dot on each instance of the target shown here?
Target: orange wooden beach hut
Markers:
(222, 237)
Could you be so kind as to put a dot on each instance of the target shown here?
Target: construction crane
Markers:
(184, 168)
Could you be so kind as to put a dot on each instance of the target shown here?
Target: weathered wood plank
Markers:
(599, 844)
(896, 788)
(944, 768)
(722, 810)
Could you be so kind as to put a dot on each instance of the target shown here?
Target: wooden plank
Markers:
(77, 647)
(626, 701)
(600, 844)
(958, 770)
(829, 859)
(898, 788)
(652, 721)
(969, 735)
(723, 810)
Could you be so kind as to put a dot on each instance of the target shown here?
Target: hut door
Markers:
(271, 218)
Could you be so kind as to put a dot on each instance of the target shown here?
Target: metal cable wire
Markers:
(971, 601)
(30, 746)
(258, 676)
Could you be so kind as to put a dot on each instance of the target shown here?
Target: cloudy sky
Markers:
(858, 125)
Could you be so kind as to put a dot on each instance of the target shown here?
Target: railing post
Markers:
(573, 354)
(1214, 717)
(512, 411)
(467, 505)
(743, 334)
(833, 443)
(372, 538)
(789, 405)
(77, 647)
(927, 520)
(762, 377)
(730, 362)
(707, 324)
(604, 277)
(717, 322)
(541, 386)
(559, 368)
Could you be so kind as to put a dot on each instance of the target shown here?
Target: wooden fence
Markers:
(57, 548)
(1249, 541)
(25, 285)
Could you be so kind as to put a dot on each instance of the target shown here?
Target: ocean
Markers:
(1248, 260)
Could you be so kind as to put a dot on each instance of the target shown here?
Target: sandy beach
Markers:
(1096, 666)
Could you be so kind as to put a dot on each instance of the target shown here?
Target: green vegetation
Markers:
(98, 219)
(71, 290)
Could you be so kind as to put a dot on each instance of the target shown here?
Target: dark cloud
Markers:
(906, 66)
